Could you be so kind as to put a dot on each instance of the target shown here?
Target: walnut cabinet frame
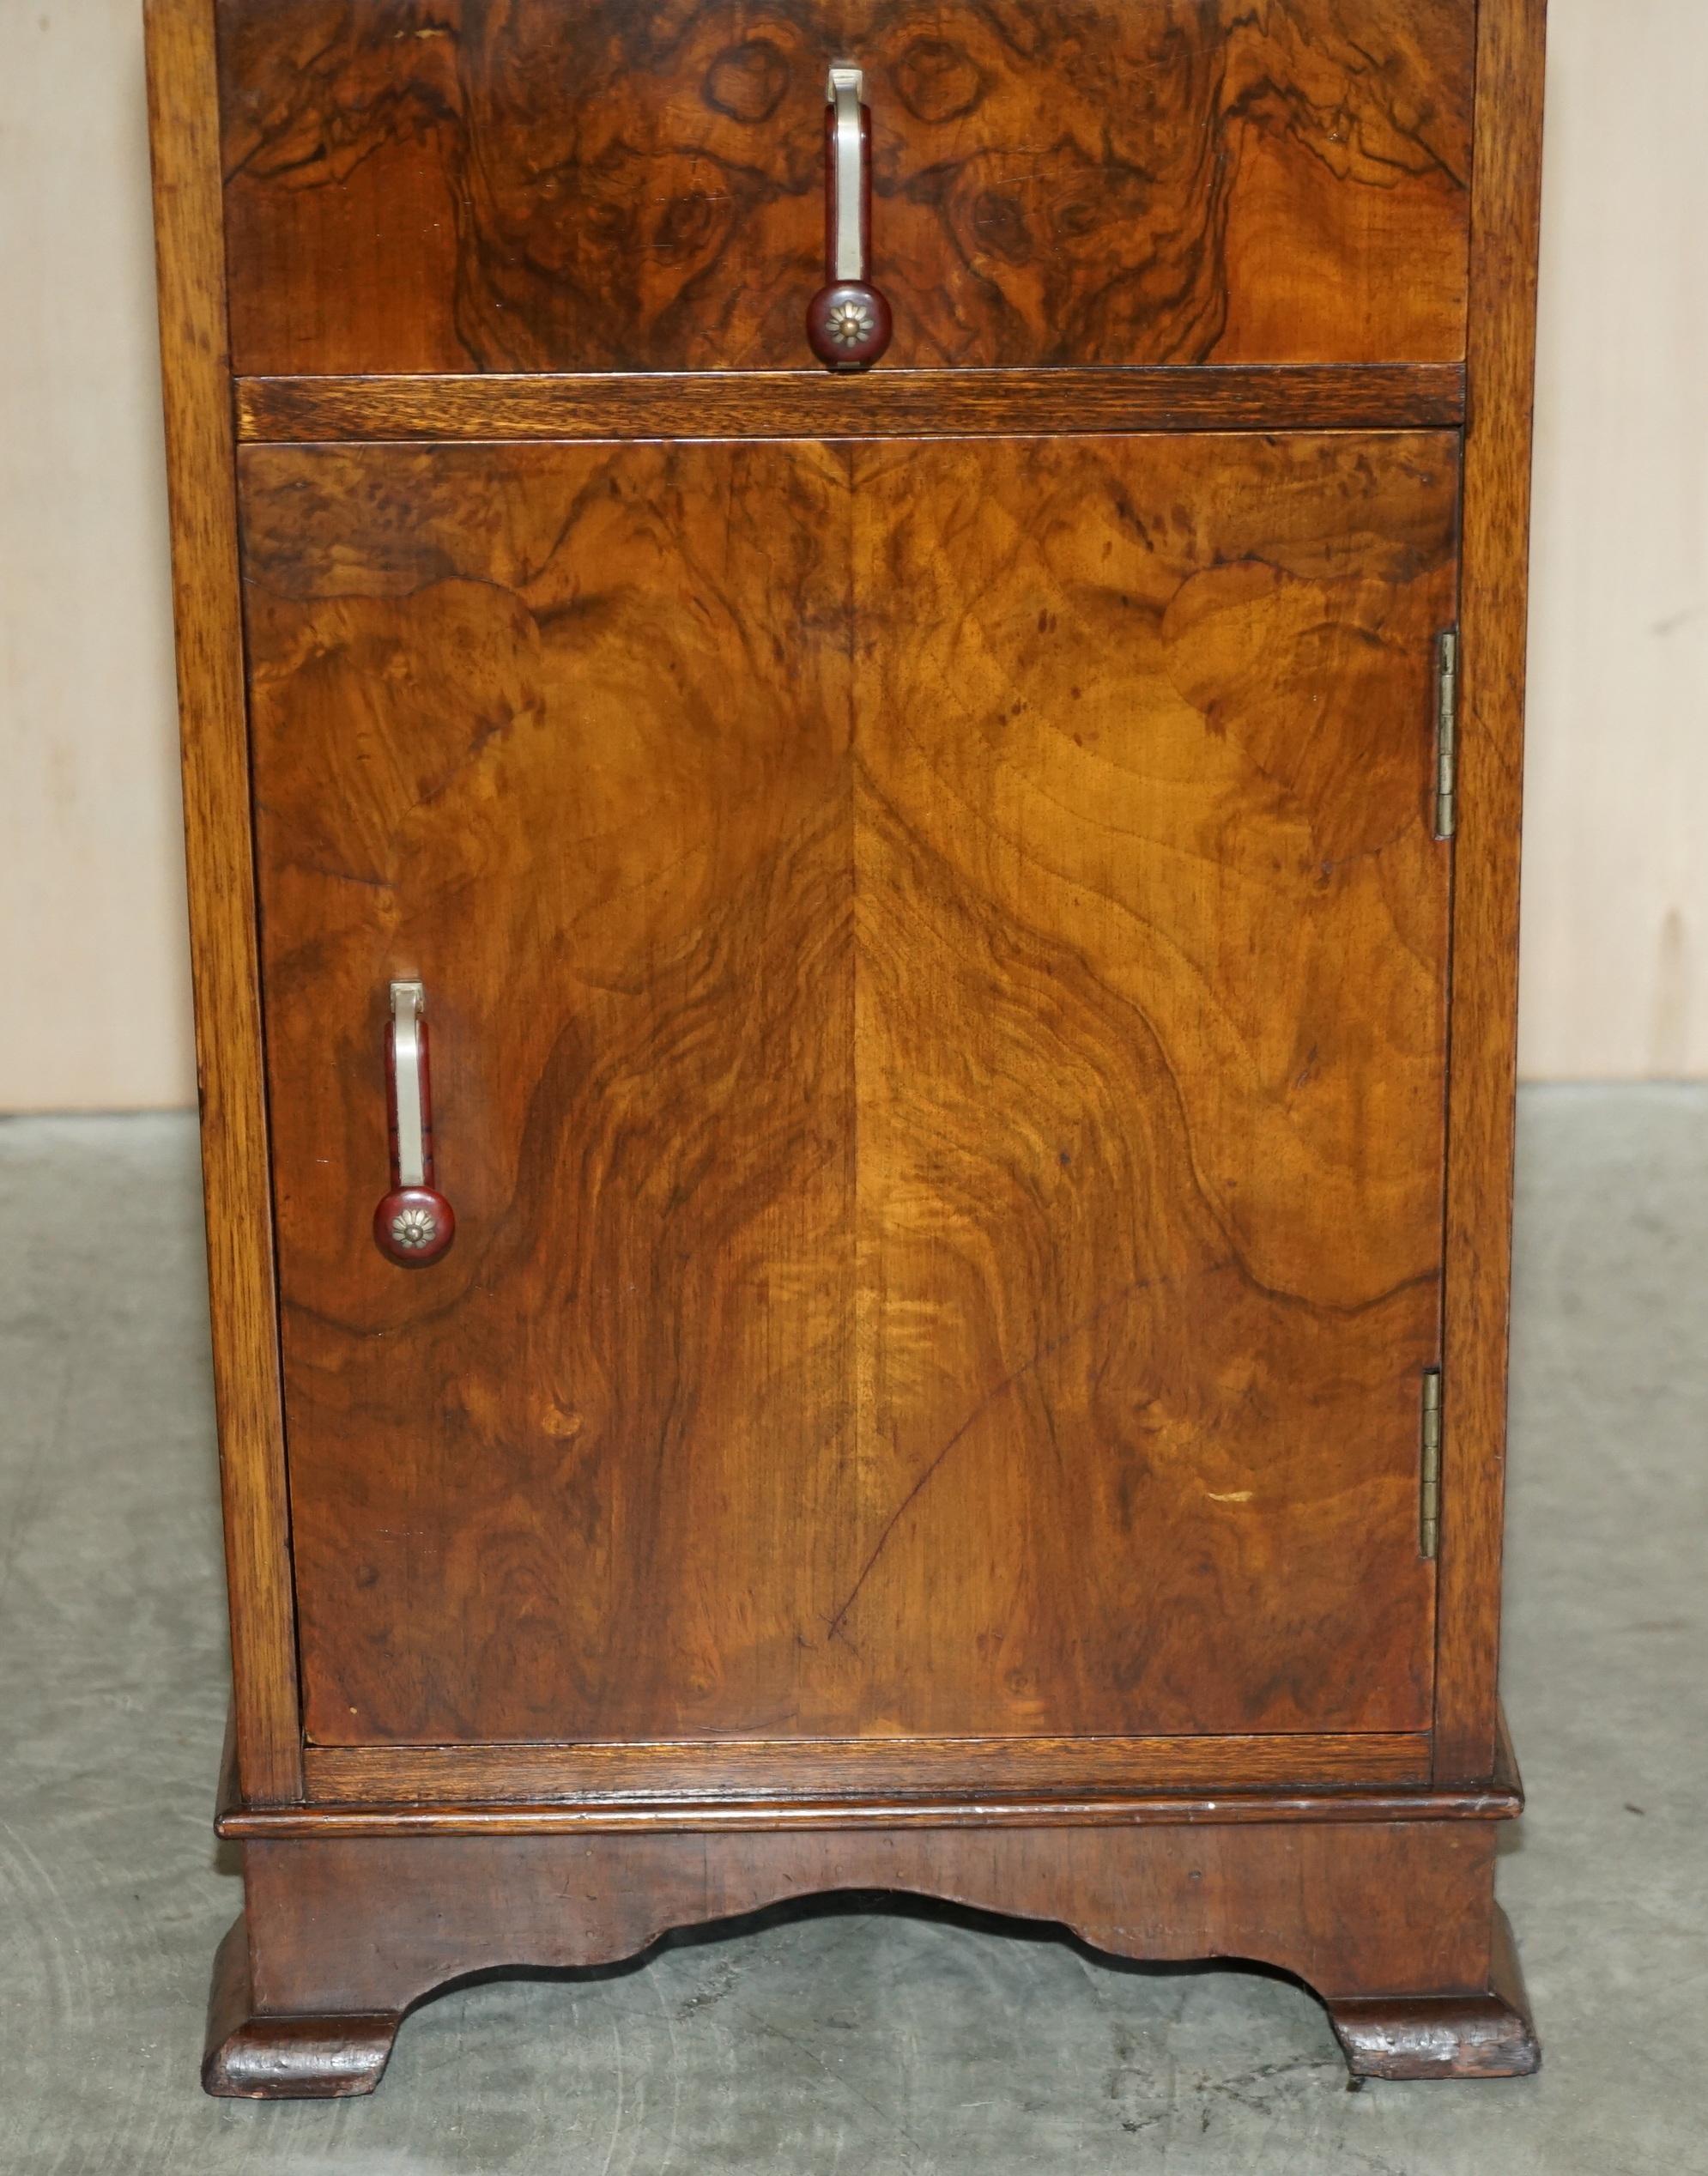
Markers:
(967, 912)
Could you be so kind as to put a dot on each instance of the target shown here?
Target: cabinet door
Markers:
(935, 962)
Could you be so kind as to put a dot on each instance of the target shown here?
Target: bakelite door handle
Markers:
(413, 1224)
(848, 320)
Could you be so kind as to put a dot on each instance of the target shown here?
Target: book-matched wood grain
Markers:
(427, 186)
(886, 404)
(196, 389)
(937, 961)
(1507, 210)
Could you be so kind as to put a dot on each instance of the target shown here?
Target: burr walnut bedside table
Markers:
(852, 681)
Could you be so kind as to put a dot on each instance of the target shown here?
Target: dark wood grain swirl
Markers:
(936, 958)
(460, 186)
(1150, 1034)
(569, 731)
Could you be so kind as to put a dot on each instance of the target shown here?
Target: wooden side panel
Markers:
(1151, 933)
(445, 185)
(196, 392)
(1508, 210)
(563, 733)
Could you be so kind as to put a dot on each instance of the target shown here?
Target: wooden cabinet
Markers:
(965, 911)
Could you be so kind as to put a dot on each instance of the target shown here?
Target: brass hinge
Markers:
(1429, 1467)
(1446, 733)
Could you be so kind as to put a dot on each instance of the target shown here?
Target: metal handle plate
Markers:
(845, 93)
(408, 1000)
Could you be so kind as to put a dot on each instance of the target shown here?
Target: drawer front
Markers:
(452, 185)
(936, 957)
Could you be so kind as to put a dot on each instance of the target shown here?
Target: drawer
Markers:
(443, 186)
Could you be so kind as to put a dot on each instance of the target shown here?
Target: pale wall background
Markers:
(93, 990)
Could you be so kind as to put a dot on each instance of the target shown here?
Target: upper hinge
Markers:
(1429, 1467)
(1446, 733)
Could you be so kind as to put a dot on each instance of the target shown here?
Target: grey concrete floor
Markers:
(856, 2037)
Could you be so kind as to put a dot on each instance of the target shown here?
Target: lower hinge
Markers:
(1446, 733)
(1429, 1467)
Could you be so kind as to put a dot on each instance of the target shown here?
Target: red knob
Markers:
(414, 1225)
(849, 324)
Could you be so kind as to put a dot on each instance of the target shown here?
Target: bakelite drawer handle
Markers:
(415, 1223)
(848, 321)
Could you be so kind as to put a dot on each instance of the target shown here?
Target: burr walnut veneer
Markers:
(851, 749)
